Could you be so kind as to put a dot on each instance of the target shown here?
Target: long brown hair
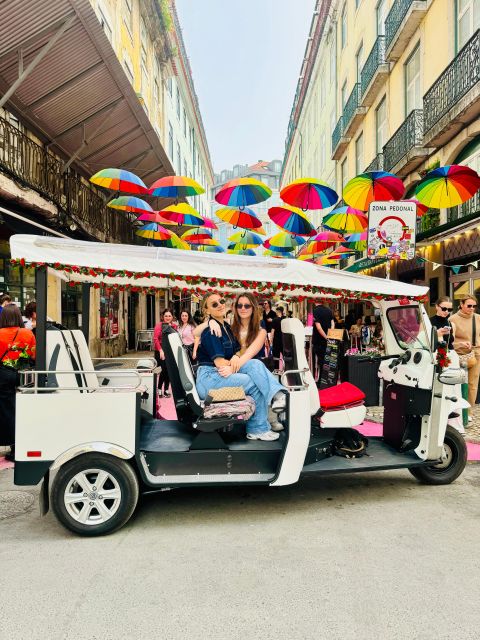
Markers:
(255, 318)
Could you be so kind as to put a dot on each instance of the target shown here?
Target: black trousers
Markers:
(8, 382)
(319, 350)
(163, 379)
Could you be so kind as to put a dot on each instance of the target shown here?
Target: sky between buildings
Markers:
(245, 57)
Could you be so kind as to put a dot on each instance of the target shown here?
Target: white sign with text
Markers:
(391, 230)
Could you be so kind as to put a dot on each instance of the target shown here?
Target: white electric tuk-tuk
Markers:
(91, 435)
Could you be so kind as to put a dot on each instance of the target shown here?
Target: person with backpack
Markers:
(17, 350)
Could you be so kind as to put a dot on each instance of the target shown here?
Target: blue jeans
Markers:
(257, 382)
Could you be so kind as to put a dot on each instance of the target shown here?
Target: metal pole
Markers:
(86, 311)
(41, 276)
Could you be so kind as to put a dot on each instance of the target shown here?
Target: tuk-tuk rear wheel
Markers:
(94, 494)
(453, 461)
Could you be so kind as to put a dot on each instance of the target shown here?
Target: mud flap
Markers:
(44, 498)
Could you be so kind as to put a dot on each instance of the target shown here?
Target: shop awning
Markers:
(129, 266)
(60, 72)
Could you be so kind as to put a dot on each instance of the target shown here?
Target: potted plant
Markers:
(363, 373)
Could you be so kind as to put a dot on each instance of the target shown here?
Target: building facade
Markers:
(84, 86)
(405, 104)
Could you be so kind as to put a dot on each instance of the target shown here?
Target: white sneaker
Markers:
(279, 401)
(266, 436)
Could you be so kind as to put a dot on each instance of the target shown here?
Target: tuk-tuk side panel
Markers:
(50, 424)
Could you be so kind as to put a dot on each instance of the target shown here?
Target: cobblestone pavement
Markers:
(472, 432)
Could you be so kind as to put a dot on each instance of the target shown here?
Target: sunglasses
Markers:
(470, 306)
(214, 305)
(244, 306)
(449, 309)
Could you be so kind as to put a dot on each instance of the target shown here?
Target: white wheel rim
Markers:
(92, 497)
(447, 455)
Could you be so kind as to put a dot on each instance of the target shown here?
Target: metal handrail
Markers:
(35, 388)
(405, 138)
(295, 387)
(351, 105)
(337, 133)
(376, 57)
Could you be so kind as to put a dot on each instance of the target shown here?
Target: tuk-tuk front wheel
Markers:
(454, 459)
(94, 494)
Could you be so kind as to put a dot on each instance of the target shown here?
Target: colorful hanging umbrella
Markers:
(172, 243)
(284, 242)
(154, 231)
(182, 214)
(309, 193)
(243, 218)
(153, 217)
(131, 204)
(119, 180)
(247, 239)
(322, 241)
(421, 208)
(356, 241)
(242, 252)
(292, 220)
(176, 187)
(241, 192)
(209, 248)
(203, 237)
(267, 245)
(268, 253)
(208, 223)
(372, 186)
(345, 219)
(448, 186)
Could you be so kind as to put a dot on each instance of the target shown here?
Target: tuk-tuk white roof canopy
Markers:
(137, 267)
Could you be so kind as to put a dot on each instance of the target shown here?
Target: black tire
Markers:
(105, 514)
(447, 471)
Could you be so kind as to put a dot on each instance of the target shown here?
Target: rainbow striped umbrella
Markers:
(172, 243)
(323, 241)
(269, 253)
(345, 219)
(208, 223)
(292, 220)
(421, 208)
(448, 186)
(182, 214)
(246, 239)
(153, 217)
(203, 237)
(131, 204)
(243, 218)
(209, 248)
(242, 252)
(284, 242)
(309, 193)
(267, 245)
(369, 187)
(241, 192)
(154, 231)
(119, 180)
(176, 187)
(356, 241)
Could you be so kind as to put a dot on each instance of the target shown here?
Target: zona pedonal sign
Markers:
(391, 230)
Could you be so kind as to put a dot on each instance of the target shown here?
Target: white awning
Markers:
(151, 267)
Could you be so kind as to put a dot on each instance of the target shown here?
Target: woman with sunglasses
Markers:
(441, 321)
(220, 365)
(467, 339)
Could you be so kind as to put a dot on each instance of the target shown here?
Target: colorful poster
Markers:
(109, 305)
(391, 230)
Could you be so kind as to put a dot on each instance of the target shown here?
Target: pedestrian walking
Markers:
(269, 315)
(467, 344)
(441, 321)
(322, 322)
(164, 380)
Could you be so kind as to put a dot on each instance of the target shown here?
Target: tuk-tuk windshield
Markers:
(408, 327)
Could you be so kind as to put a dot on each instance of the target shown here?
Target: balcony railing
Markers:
(406, 137)
(352, 104)
(375, 58)
(429, 220)
(459, 77)
(467, 209)
(337, 134)
(395, 18)
(37, 168)
(376, 164)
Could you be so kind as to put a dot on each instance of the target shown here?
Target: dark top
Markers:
(212, 347)
(324, 316)
(277, 336)
(439, 323)
(268, 319)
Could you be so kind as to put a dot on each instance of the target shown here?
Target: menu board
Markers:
(329, 375)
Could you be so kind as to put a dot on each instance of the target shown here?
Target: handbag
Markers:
(9, 377)
(225, 394)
